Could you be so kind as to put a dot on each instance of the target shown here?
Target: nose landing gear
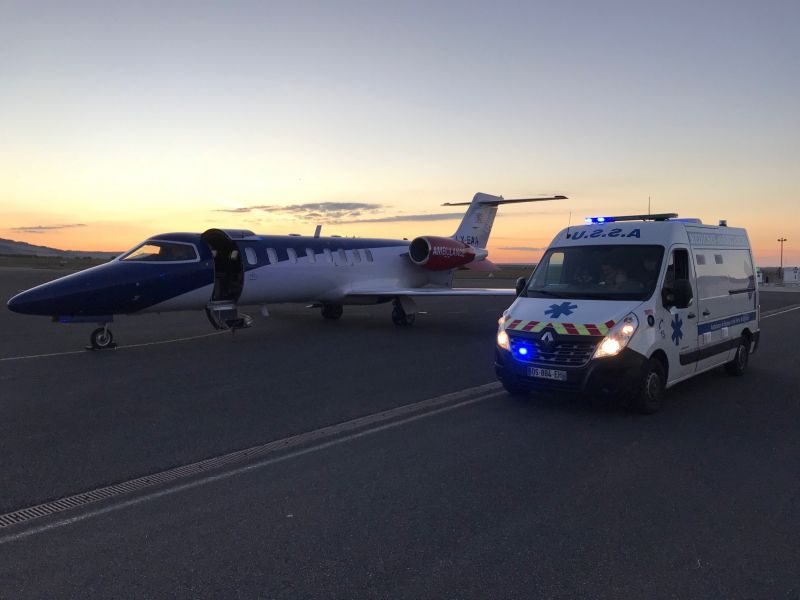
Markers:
(101, 339)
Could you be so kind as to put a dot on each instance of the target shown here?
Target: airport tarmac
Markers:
(384, 463)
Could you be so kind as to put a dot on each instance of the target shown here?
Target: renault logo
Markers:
(547, 338)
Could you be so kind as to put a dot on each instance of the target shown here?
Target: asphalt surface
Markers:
(497, 498)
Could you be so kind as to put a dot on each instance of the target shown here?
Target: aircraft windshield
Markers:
(158, 251)
(597, 273)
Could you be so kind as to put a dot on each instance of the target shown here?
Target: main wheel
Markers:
(401, 318)
(649, 395)
(738, 365)
(332, 311)
(101, 338)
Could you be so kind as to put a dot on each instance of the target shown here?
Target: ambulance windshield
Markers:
(623, 272)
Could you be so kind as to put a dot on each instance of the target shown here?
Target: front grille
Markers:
(561, 353)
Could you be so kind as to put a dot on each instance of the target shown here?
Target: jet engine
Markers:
(440, 254)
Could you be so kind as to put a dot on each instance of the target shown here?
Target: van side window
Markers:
(731, 271)
(292, 254)
(311, 256)
(678, 267)
(272, 256)
(251, 255)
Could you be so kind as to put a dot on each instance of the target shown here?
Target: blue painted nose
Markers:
(17, 303)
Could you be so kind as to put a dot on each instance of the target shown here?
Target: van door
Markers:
(678, 326)
(727, 302)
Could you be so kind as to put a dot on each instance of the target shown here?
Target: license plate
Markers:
(547, 373)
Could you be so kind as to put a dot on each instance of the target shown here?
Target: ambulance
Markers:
(630, 306)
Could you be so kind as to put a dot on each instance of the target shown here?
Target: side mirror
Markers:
(679, 295)
(521, 283)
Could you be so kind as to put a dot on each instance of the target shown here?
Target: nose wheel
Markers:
(102, 339)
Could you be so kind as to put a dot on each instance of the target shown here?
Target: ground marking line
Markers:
(434, 405)
(143, 344)
(779, 312)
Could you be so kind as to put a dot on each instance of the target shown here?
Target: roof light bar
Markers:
(658, 217)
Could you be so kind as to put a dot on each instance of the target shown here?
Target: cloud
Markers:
(325, 212)
(403, 218)
(523, 248)
(45, 228)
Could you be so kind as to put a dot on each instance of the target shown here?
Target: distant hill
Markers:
(13, 248)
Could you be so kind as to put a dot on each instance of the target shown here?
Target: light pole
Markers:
(780, 273)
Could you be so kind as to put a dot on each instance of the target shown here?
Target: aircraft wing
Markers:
(434, 291)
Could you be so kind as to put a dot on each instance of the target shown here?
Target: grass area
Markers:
(49, 262)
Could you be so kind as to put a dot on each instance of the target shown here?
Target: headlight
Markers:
(502, 339)
(618, 337)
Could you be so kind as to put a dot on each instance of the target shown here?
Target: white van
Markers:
(631, 305)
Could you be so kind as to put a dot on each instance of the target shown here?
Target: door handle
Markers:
(691, 316)
(706, 312)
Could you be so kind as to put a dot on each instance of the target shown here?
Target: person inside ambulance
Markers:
(613, 276)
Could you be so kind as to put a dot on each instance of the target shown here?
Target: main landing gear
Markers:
(400, 315)
(332, 311)
(101, 339)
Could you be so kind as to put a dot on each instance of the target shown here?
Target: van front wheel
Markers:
(738, 365)
(649, 395)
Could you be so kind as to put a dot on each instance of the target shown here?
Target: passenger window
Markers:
(328, 255)
(718, 259)
(250, 253)
(701, 259)
(342, 256)
(368, 254)
(311, 256)
(356, 256)
(292, 255)
(272, 255)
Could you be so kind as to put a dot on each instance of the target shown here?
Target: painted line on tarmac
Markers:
(235, 463)
(776, 312)
(142, 345)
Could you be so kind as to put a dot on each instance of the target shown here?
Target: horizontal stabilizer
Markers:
(494, 201)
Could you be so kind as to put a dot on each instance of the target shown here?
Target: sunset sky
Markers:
(119, 120)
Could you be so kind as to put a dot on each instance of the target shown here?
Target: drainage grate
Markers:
(25, 515)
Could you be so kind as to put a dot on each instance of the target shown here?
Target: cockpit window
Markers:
(157, 251)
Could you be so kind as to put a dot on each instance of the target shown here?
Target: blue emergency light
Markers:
(591, 220)
(523, 351)
(655, 217)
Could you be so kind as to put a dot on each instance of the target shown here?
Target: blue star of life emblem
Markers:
(556, 310)
(677, 329)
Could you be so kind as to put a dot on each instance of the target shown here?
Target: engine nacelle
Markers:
(440, 254)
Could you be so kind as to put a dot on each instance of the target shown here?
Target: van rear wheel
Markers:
(649, 395)
(738, 365)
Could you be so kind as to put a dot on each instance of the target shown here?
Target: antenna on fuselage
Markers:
(317, 231)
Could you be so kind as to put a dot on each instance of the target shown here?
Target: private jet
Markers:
(221, 269)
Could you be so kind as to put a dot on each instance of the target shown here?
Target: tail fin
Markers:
(478, 220)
